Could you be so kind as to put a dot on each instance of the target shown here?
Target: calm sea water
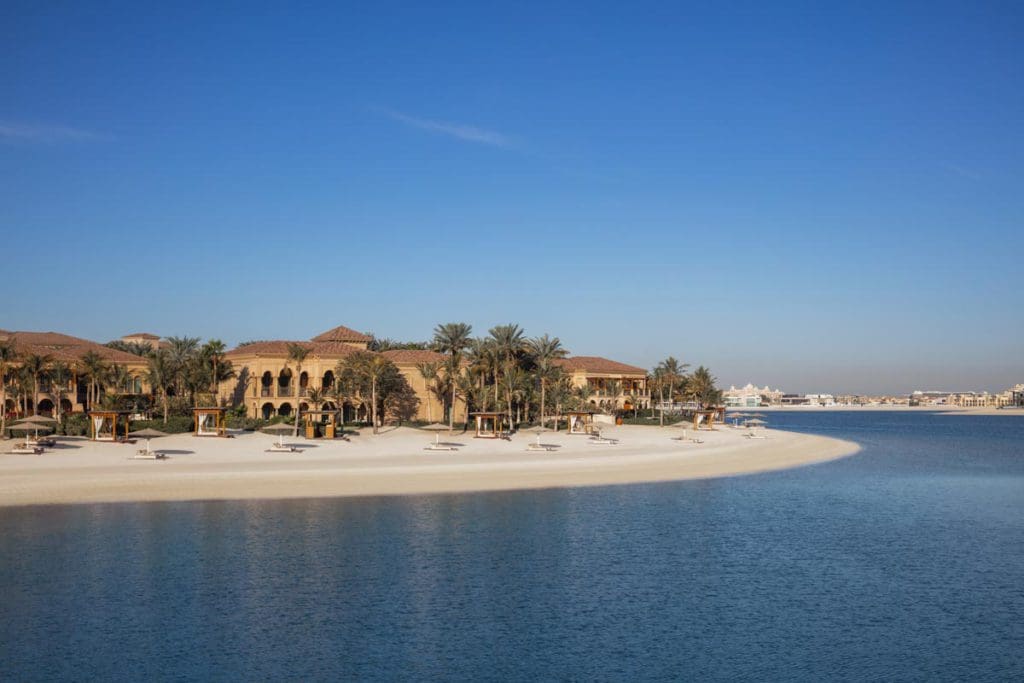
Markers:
(905, 562)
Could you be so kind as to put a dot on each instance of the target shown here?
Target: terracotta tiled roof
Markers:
(323, 349)
(599, 365)
(341, 334)
(63, 347)
(413, 356)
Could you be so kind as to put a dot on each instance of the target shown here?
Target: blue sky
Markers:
(810, 195)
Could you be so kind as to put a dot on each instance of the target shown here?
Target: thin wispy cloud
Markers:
(459, 131)
(962, 171)
(44, 133)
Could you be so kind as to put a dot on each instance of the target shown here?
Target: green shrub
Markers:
(176, 424)
(75, 424)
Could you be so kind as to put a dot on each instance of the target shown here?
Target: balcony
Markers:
(284, 392)
(266, 392)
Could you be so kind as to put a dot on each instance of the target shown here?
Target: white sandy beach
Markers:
(392, 463)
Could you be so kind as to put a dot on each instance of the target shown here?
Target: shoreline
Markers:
(392, 463)
(937, 410)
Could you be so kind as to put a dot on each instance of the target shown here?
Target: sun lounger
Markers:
(149, 455)
(540, 447)
(601, 441)
(755, 436)
(696, 440)
(440, 447)
(23, 449)
(282, 449)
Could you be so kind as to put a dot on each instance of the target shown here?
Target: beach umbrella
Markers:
(36, 427)
(538, 431)
(437, 428)
(755, 423)
(737, 415)
(147, 434)
(37, 419)
(280, 429)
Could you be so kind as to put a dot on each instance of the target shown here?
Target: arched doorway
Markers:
(267, 385)
(284, 383)
(284, 409)
(304, 384)
(327, 382)
(267, 411)
(46, 407)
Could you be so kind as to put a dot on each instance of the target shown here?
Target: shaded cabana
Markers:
(705, 418)
(580, 422)
(109, 425)
(488, 425)
(320, 423)
(210, 421)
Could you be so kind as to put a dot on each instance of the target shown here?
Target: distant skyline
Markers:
(815, 197)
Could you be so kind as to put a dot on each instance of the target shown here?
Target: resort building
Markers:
(751, 397)
(142, 338)
(612, 385)
(269, 383)
(75, 354)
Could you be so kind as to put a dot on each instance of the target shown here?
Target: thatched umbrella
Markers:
(538, 431)
(30, 426)
(37, 419)
(736, 416)
(437, 428)
(280, 429)
(755, 423)
(147, 434)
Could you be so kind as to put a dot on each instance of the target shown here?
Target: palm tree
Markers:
(365, 371)
(510, 343)
(316, 397)
(472, 394)
(160, 376)
(8, 355)
(60, 377)
(701, 386)
(428, 371)
(613, 388)
(296, 354)
(452, 339)
(214, 351)
(94, 369)
(546, 350)
(119, 378)
(23, 387)
(181, 350)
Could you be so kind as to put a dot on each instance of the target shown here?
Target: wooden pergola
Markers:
(488, 425)
(580, 422)
(105, 424)
(706, 417)
(320, 418)
(210, 421)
